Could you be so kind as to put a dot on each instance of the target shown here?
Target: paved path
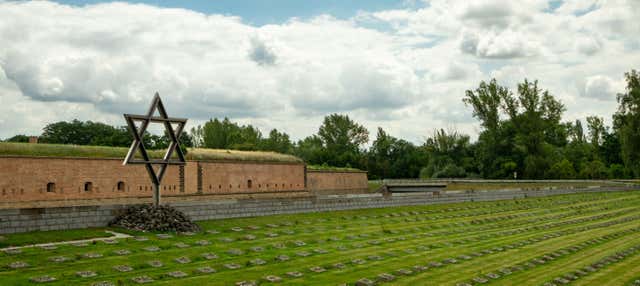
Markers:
(115, 235)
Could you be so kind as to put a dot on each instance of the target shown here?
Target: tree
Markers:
(449, 151)
(277, 142)
(225, 134)
(310, 149)
(85, 133)
(342, 138)
(197, 136)
(18, 139)
(390, 157)
(627, 122)
(596, 130)
(486, 101)
(562, 170)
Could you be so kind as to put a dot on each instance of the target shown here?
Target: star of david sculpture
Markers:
(138, 144)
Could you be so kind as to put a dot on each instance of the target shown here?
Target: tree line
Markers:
(522, 135)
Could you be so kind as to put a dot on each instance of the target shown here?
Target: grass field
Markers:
(583, 239)
(59, 150)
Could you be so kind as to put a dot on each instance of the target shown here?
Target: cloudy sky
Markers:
(402, 65)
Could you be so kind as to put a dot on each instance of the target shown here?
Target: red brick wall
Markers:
(226, 177)
(332, 182)
(24, 179)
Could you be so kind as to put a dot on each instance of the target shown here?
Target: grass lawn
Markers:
(37, 237)
(582, 239)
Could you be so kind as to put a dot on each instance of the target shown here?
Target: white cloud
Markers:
(602, 87)
(405, 69)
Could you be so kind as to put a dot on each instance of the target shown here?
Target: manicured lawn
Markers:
(38, 237)
(583, 239)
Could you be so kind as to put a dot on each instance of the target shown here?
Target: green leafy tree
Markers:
(342, 138)
(627, 122)
(277, 142)
(18, 139)
(562, 170)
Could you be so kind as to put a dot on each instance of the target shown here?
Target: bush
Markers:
(561, 170)
(451, 171)
(594, 170)
(617, 171)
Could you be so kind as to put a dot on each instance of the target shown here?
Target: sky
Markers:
(400, 65)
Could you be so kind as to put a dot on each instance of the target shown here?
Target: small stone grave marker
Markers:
(294, 274)
(235, 251)
(209, 256)
(232, 266)
(181, 245)
(92, 255)
(237, 229)
(257, 261)
(142, 279)
(257, 248)
(272, 278)
(152, 248)
(317, 269)
(155, 263)
(203, 242)
(213, 231)
(43, 279)
(339, 266)
(303, 253)
(122, 252)
(103, 283)
(282, 257)
(249, 237)
(205, 270)
(386, 277)
(164, 236)
(86, 274)
(59, 259)
(182, 260)
(141, 238)
(403, 271)
(177, 274)
(226, 239)
(18, 264)
(12, 251)
(365, 282)
(246, 283)
(123, 268)
(110, 241)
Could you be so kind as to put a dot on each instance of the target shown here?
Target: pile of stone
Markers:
(150, 218)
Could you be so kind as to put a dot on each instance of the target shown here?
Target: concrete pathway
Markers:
(115, 235)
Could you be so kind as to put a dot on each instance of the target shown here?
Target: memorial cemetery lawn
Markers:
(581, 239)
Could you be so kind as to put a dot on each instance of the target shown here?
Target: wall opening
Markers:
(120, 186)
(51, 187)
(249, 183)
(88, 186)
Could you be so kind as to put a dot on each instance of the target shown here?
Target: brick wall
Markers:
(26, 180)
(237, 177)
(336, 182)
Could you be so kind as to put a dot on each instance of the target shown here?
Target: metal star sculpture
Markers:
(138, 144)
